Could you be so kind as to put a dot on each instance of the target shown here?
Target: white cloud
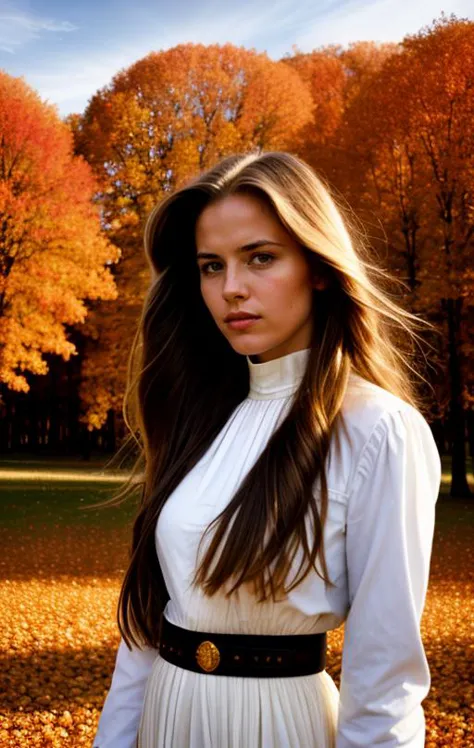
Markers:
(377, 20)
(76, 79)
(19, 26)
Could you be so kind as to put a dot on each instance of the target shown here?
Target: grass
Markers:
(46, 503)
(46, 493)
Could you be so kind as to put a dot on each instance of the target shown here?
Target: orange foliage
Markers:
(412, 129)
(160, 122)
(59, 634)
(334, 76)
(53, 255)
(409, 138)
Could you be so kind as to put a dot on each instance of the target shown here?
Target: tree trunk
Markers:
(438, 431)
(111, 441)
(459, 484)
(470, 431)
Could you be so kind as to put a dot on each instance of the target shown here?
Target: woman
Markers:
(275, 402)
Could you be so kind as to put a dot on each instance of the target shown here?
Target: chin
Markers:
(249, 347)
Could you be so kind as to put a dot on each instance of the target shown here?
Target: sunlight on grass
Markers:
(91, 476)
(61, 476)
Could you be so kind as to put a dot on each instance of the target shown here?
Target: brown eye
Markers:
(266, 256)
(204, 269)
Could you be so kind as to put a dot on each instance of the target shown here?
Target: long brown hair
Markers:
(184, 381)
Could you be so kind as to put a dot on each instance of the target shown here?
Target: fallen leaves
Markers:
(58, 638)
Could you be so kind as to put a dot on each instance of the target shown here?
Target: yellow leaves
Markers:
(97, 400)
(58, 598)
(58, 593)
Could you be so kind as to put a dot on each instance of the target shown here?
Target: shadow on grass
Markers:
(56, 679)
(64, 553)
(72, 680)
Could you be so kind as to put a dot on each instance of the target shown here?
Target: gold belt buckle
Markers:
(208, 656)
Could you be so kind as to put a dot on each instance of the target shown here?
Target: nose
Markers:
(234, 286)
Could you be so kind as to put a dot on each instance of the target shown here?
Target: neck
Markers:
(278, 377)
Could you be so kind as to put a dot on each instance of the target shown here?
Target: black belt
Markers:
(247, 655)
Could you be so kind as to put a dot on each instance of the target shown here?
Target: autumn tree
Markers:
(441, 107)
(158, 123)
(334, 75)
(411, 131)
(394, 177)
(53, 255)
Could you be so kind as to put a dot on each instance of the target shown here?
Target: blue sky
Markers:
(67, 49)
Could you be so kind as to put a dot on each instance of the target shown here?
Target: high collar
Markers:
(279, 377)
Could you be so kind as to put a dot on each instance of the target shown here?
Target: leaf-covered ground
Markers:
(60, 574)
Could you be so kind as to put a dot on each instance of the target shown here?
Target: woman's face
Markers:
(248, 262)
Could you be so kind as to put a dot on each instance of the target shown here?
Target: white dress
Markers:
(383, 485)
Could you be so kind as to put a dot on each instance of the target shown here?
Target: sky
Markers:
(66, 50)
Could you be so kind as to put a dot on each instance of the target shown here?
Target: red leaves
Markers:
(53, 254)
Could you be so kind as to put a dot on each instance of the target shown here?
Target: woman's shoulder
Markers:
(383, 440)
(365, 402)
(369, 412)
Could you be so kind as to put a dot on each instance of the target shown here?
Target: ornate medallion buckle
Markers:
(208, 656)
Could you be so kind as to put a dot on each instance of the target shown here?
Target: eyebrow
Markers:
(243, 248)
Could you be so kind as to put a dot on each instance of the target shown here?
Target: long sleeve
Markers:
(120, 716)
(389, 534)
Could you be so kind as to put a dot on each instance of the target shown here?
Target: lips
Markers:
(244, 323)
(242, 316)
